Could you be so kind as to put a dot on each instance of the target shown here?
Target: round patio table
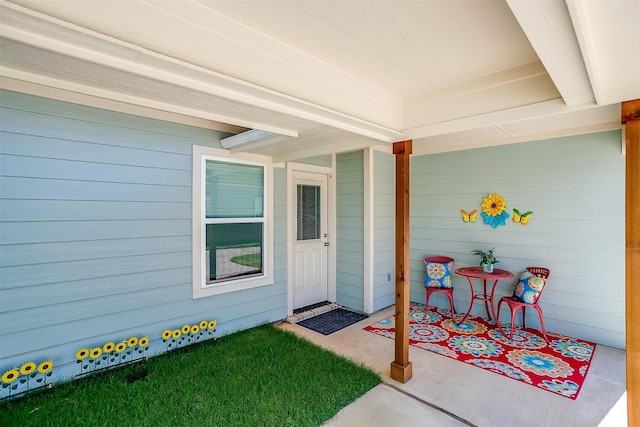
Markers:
(478, 273)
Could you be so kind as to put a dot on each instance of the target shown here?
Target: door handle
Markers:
(326, 243)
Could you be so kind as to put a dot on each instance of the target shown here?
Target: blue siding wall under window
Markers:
(95, 237)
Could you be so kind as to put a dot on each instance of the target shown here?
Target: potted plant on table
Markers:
(487, 259)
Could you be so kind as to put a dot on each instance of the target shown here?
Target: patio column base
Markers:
(401, 373)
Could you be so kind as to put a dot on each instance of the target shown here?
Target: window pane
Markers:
(233, 250)
(234, 190)
(308, 212)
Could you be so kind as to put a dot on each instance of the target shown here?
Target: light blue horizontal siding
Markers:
(73, 170)
(95, 151)
(17, 210)
(98, 129)
(574, 186)
(280, 239)
(95, 233)
(18, 298)
(383, 230)
(96, 329)
(42, 273)
(350, 229)
(65, 231)
(35, 188)
(47, 253)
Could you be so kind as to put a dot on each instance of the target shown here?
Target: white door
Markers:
(310, 240)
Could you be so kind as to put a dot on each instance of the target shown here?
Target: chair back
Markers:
(438, 270)
(531, 284)
(539, 271)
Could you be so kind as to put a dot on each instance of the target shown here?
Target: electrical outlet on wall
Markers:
(388, 277)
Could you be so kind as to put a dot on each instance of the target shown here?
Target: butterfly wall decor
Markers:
(469, 216)
(521, 218)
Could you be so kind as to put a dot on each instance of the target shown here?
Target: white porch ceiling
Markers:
(328, 76)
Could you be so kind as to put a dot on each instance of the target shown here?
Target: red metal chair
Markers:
(438, 279)
(515, 303)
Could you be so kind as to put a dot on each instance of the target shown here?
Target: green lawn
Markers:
(250, 260)
(259, 377)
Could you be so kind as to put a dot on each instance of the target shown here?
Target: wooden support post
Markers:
(631, 116)
(401, 369)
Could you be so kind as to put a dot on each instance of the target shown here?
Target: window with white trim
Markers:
(232, 225)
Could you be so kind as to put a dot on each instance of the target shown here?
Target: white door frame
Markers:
(291, 227)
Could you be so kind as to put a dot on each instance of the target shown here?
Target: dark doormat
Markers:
(332, 321)
(310, 307)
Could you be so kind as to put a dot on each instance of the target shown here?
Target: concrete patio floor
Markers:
(445, 392)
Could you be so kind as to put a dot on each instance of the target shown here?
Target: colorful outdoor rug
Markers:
(559, 367)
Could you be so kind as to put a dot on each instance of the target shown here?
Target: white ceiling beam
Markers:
(81, 98)
(335, 146)
(548, 27)
(429, 147)
(540, 109)
(251, 140)
(22, 27)
(244, 138)
(526, 84)
(608, 33)
(42, 86)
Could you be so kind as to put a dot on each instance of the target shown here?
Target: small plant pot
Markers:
(487, 268)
